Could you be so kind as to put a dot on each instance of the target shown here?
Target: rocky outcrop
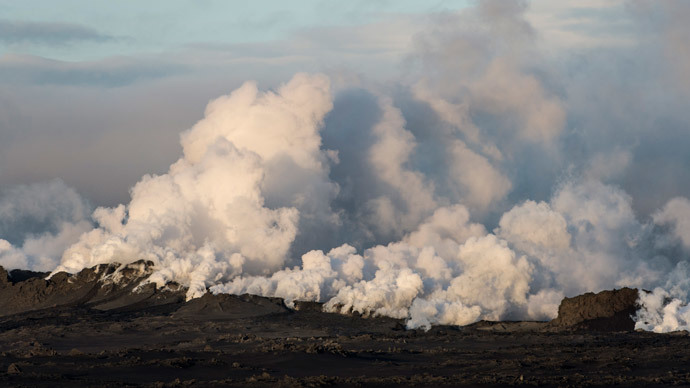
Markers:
(120, 288)
(103, 287)
(605, 311)
(4, 278)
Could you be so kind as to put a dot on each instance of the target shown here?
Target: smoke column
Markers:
(489, 183)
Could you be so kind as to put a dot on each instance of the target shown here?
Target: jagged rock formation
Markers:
(109, 287)
(123, 288)
(605, 311)
(103, 287)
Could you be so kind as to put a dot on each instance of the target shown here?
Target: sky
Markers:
(438, 161)
(115, 79)
(110, 56)
(98, 29)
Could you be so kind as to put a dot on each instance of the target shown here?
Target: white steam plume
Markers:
(206, 220)
(489, 183)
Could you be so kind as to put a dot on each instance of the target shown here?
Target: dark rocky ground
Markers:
(92, 330)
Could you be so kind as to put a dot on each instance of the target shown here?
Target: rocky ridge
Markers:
(107, 326)
(103, 287)
(120, 287)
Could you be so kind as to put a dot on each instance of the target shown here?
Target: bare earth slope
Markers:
(101, 328)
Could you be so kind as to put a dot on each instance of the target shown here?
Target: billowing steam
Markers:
(38, 222)
(478, 187)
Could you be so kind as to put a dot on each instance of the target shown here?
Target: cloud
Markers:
(410, 197)
(48, 33)
(677, 214)
(39, 208)
(581, 25)
(38, 222)
(110, 72)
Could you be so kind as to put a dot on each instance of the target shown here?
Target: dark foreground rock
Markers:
(117, 334)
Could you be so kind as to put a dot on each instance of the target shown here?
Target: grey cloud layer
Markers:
(111, 72)
(47, 33)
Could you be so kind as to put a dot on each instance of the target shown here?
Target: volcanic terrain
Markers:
(106, 327)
